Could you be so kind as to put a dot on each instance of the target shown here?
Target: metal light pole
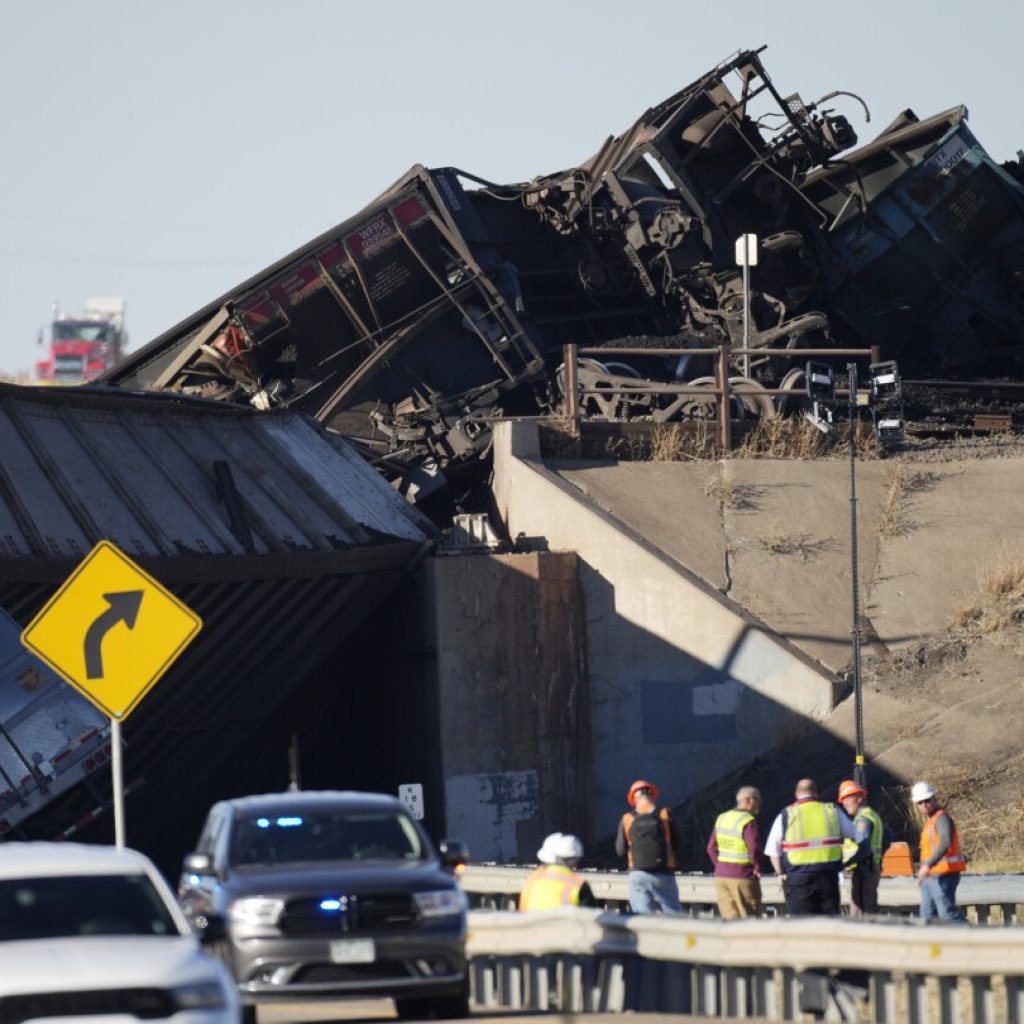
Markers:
(859, 768)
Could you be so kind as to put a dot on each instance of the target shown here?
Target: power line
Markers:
(129, 261)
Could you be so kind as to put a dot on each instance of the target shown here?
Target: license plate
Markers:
(352, 951)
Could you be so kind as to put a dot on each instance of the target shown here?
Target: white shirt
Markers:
(773, 844)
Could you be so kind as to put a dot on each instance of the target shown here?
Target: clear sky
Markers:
(164, 152)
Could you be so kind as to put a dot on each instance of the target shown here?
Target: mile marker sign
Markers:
(111, 630)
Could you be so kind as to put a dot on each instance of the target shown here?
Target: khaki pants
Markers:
(738, 897)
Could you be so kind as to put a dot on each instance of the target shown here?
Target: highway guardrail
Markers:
(988, 899)
(582, 960)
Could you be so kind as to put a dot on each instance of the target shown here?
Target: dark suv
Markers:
(316, 895)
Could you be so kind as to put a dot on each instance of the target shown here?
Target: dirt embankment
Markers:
(944, 704)
(941, 572)
(948, 710)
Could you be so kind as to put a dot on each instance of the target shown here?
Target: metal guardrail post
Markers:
(611, 987)
(724, 422)
(917, 999)
(738, 990)
(982, 1004)
(570, 363)
(882, 996)
(949, 999)
(1015, 1000)
(707, 982)
(481, 977)
(510, 983)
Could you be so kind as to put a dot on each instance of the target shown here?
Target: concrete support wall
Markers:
(513, 702)
(684, 685)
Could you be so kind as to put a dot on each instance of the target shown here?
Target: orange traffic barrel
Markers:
(897, 861)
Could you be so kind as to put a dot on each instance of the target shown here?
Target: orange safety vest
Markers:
(670, 854)
(551, 886)
(953, 859)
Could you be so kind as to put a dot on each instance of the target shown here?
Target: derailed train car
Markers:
(447, 301)
(927, 233)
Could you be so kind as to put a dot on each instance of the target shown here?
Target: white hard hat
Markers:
(922, 791)
(560, 846)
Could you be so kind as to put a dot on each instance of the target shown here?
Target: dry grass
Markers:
(900, 485)
(560, 438)
(784, 439)
(696, 440)
(796, 438)
(998, 601)
(781, 543)
(895, 518)
(794, 544)
(727, 493)
(669, 442)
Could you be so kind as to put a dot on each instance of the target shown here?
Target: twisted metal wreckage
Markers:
(447, 301)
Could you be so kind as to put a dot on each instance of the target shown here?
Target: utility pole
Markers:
(886, 390)
(859, 768)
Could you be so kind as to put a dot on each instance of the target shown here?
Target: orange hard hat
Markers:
(637, 786)
(850, 788)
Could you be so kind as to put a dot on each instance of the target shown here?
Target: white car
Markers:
(95, 931)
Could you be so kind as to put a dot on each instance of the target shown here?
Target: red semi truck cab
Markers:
(83, 346)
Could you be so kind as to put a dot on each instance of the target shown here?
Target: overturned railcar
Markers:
(400, 329)
(926, 232)
(448, 300)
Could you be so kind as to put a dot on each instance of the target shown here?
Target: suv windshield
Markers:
(324, 835)
(50, 908)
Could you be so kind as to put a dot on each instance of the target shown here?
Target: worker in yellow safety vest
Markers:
(862, 857)
(555, 883)
(942, 860)
(805, 846)
(735, 849)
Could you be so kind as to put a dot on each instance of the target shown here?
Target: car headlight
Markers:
(204, 995)
(255, 910)
(442, 903)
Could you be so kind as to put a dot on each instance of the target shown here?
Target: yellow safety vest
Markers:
(729, 826)
(850, 845)
(551, 886)
(813, 834)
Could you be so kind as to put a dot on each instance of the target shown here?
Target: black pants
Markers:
(811, 892)
(864, 890)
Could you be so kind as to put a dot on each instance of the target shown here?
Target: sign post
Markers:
(746, 257)
(112, 631)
